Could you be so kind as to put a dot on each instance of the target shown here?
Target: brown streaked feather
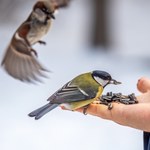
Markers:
(23, 30)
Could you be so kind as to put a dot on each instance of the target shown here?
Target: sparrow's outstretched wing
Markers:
(24, 67)
(19, 60)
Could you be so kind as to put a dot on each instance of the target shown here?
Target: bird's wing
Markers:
(60, 3)
(20, 63)
(69, 93)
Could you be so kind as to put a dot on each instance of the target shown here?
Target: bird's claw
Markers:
(42, 42)
(110, 106)
(85, 109)
(35, 53)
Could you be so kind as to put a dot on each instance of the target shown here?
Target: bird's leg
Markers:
(42, 42)
(34, 51)
(110, 106)
(85, 109)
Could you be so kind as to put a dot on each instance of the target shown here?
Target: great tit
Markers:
(77, 93)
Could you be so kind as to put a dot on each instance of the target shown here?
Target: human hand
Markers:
(143, 85)
(100, 110)
(135, 115)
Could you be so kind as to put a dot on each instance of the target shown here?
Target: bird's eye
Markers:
(44, 9)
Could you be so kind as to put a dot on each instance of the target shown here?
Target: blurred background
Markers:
(88, 35)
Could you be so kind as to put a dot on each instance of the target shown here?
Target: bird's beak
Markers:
(112, 81)
(52, 16)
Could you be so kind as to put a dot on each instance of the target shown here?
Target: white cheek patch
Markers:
(101, 81)
(39, 15)
(39, 12)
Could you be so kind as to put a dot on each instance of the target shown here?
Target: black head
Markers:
(101, 74)
(103, 78)
(46, 7)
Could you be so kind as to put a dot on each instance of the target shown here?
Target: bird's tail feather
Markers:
(38, 113)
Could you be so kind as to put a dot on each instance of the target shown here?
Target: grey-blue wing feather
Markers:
(68, 93)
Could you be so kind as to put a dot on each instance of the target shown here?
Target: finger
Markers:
(143, 84)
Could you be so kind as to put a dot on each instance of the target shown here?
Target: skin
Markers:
(135, 116)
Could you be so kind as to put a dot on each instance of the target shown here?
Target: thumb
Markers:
(143, 84)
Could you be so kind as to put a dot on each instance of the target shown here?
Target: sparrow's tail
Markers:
(38, 113)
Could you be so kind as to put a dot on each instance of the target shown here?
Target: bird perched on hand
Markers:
(79, 92)
(20, 58)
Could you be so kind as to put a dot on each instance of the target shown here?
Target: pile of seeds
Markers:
(118, 97)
